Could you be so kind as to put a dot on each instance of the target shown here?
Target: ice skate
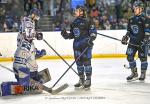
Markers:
(143, 74)
(133, 76)
(87, 84)
(80, 84)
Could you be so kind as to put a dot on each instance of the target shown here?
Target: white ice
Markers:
(109, 85)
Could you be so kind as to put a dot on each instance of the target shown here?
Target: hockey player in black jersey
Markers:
(138, 31)
(83, 34)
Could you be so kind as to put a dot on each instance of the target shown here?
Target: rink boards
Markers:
(103, 47)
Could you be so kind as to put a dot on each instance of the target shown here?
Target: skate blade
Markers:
(134, 79)
(79, 88)
(142, 81)
(87, 89)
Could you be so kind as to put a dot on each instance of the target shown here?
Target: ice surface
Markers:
(109, 85)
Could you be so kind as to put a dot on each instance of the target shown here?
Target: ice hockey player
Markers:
(25, 65)
(83, 34)
(139, 33)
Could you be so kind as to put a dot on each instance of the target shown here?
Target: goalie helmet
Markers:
(29, 31)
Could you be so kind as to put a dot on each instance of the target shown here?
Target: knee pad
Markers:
(132, 64)
(142, 59)
(24, 76)
(144, 65)
(88, 70)
(130, 58)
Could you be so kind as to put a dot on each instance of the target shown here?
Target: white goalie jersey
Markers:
(25, 56)
(26, 51)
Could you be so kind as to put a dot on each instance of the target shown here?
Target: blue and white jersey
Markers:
(26, 22)
(25, 56)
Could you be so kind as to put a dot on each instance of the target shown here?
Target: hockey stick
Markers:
(59, 55)
(45, 88)
(118, 39)
(70, 66)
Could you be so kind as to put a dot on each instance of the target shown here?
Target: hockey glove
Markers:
(40, 53)
(90, 42)
(125, 39)
(93, 36)
(64, 34)
(39, 36)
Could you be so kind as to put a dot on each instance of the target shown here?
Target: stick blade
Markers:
(59, 89)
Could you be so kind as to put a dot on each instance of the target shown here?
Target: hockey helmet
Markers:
(138, 4)
(36, 13)
(82, 11)
(29, 31)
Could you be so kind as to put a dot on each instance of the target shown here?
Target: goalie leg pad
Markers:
(6, 88)
(24, 76)
(13, 88)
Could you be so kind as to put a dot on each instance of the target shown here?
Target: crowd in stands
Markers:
(105, 14)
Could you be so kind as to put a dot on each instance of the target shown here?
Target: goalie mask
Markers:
(29, 31)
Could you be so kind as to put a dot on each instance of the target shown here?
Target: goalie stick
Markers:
(45, 88)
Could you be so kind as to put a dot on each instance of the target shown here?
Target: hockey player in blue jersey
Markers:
(83, 34)
(139, 33)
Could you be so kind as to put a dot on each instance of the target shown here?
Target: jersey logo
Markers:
(76, 32)
(129, 51)
(135, 29)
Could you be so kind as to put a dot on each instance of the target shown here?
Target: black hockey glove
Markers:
(90, 42)
(64, 34)
(93, 36)
(125, 39)
(39, 36)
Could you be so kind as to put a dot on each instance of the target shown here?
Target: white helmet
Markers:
(29, 31)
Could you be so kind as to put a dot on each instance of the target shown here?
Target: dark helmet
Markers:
(35, 11)
(138, 4)
(81, 8)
